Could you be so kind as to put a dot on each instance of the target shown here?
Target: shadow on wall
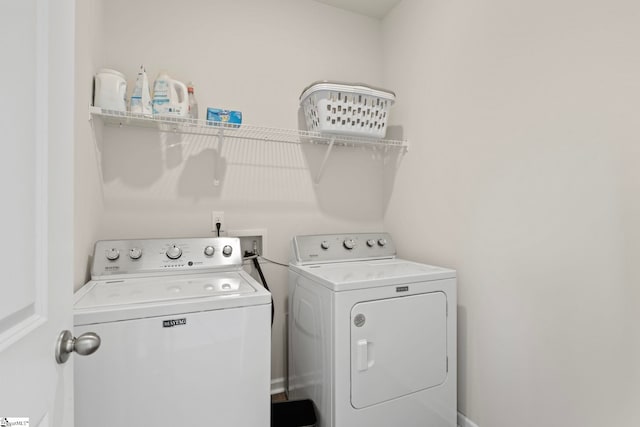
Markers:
(391, 161)
(144, 168)
(136, 161)
(357, 173)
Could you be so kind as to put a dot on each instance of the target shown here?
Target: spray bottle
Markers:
(193, 103)
(141, 98)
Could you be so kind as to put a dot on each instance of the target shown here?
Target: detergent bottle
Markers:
(170, 96)
(110, 90)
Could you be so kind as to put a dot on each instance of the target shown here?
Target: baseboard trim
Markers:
(465, 422)
(277, 385)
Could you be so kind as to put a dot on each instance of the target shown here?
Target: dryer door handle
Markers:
(364, 355)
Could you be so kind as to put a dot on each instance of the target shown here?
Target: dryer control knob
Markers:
(209, 250)
(349, 244)
(227, 250)
(382, 242)
(135, 253)
(325, 245)
(112, 254)
(174, 252)
(371, 243)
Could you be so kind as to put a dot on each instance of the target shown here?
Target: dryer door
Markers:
(398, 347)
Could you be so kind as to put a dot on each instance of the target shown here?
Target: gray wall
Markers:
(88, 201)
(523, 175)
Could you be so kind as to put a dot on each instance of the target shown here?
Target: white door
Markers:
(398, 347)
(36, 200)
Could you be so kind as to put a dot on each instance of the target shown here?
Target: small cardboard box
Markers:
(219, 116)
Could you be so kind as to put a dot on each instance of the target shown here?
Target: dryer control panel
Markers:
(143, 257)
(322, 248)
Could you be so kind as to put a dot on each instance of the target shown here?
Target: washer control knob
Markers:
(135, 253)
(174, 252)
(112, 254)
(349, 244)
(382, 242)
(227, 250)
(209, 250)
(371, 243)
(325, 245)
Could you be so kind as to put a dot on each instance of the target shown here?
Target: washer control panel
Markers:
(341, 247)
(160, 256)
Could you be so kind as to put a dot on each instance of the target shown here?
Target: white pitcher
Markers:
(170, 96)
(110, 90)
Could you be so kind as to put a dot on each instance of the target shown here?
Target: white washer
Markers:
(186, 336)
(372, 338)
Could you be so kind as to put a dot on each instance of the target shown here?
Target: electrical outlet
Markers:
(217, 216)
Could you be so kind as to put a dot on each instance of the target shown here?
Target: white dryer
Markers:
(186, 336)
(372, 338)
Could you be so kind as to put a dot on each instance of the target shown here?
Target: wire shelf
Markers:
(187, 126)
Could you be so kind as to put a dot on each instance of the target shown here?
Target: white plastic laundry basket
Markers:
(347, 109)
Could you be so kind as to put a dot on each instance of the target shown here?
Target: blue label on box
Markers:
(217, 115)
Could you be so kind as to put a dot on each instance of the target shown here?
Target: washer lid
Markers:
(344, 276)
(114, 300)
